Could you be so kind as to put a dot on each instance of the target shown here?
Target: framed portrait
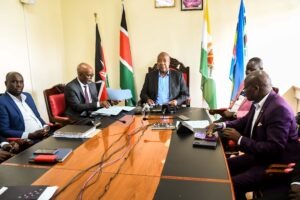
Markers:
(164, 3)
(191, 5)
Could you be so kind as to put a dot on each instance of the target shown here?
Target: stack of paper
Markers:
(112, 110)
(196, 125)
(74, 131)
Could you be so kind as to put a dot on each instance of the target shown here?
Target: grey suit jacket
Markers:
(178, 89)
(75, 102)
(274, 136)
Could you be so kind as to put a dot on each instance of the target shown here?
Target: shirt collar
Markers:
(81, 84)
(261, 102)
(23, 97)
(168, 73)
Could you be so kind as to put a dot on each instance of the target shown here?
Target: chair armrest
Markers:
(280, 168)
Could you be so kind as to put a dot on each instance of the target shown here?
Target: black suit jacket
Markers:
(2, 139)
(75, 102)
(178, 89)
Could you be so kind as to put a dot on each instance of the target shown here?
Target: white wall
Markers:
(31, 42)
(61, 34)
(271, 28)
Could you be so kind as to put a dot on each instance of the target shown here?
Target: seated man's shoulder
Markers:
(71, 83)
(152, 72)
(176, 72)
(3, 98)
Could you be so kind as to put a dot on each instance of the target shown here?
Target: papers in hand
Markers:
(112, 110)
(75, 131)
(195, 125)
(114, 94)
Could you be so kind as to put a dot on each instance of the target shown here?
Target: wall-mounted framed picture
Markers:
(191, 5)
(164, 3)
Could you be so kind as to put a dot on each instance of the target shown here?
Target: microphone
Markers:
(164, 112)
(146, 109)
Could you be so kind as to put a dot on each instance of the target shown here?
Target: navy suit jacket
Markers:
(177, 87)
(11, 118)
(2, 139)
(274, 136)
(75, 102)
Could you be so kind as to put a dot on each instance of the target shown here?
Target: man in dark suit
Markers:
(19, 116)
(240, 106)
(164, 86)
(81, 94)
(267, 134)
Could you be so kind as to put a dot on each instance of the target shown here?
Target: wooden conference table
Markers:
(137, 163)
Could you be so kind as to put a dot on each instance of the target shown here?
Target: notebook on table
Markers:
(59, 156)
(74, 131)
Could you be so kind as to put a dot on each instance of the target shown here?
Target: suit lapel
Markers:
(249, 122)
(155, 83)
(82, 99)
(268, 100)
(13, 104)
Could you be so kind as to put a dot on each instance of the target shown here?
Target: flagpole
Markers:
(96, 17)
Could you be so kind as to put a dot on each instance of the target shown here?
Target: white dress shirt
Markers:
(32, 123)
(258, 107)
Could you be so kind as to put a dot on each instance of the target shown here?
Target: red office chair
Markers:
(55, 103)
(176, 65)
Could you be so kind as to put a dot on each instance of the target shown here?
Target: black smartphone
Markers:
(45, 151)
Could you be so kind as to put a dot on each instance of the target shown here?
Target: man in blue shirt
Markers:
(164, 86)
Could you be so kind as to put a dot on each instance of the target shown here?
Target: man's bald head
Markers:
(163, 62)
(85, 73)
(257, 85)
(14, 83)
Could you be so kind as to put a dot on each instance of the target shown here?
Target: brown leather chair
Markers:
(185, 70)
(55, 104)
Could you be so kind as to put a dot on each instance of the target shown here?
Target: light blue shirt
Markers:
(163, 89)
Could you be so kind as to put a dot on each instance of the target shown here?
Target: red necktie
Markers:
(86, 96)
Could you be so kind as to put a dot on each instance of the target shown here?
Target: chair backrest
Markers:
(55, 104)
(179, 66)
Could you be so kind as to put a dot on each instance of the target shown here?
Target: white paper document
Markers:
(114, 94)
(112, 110)
(196, 125)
